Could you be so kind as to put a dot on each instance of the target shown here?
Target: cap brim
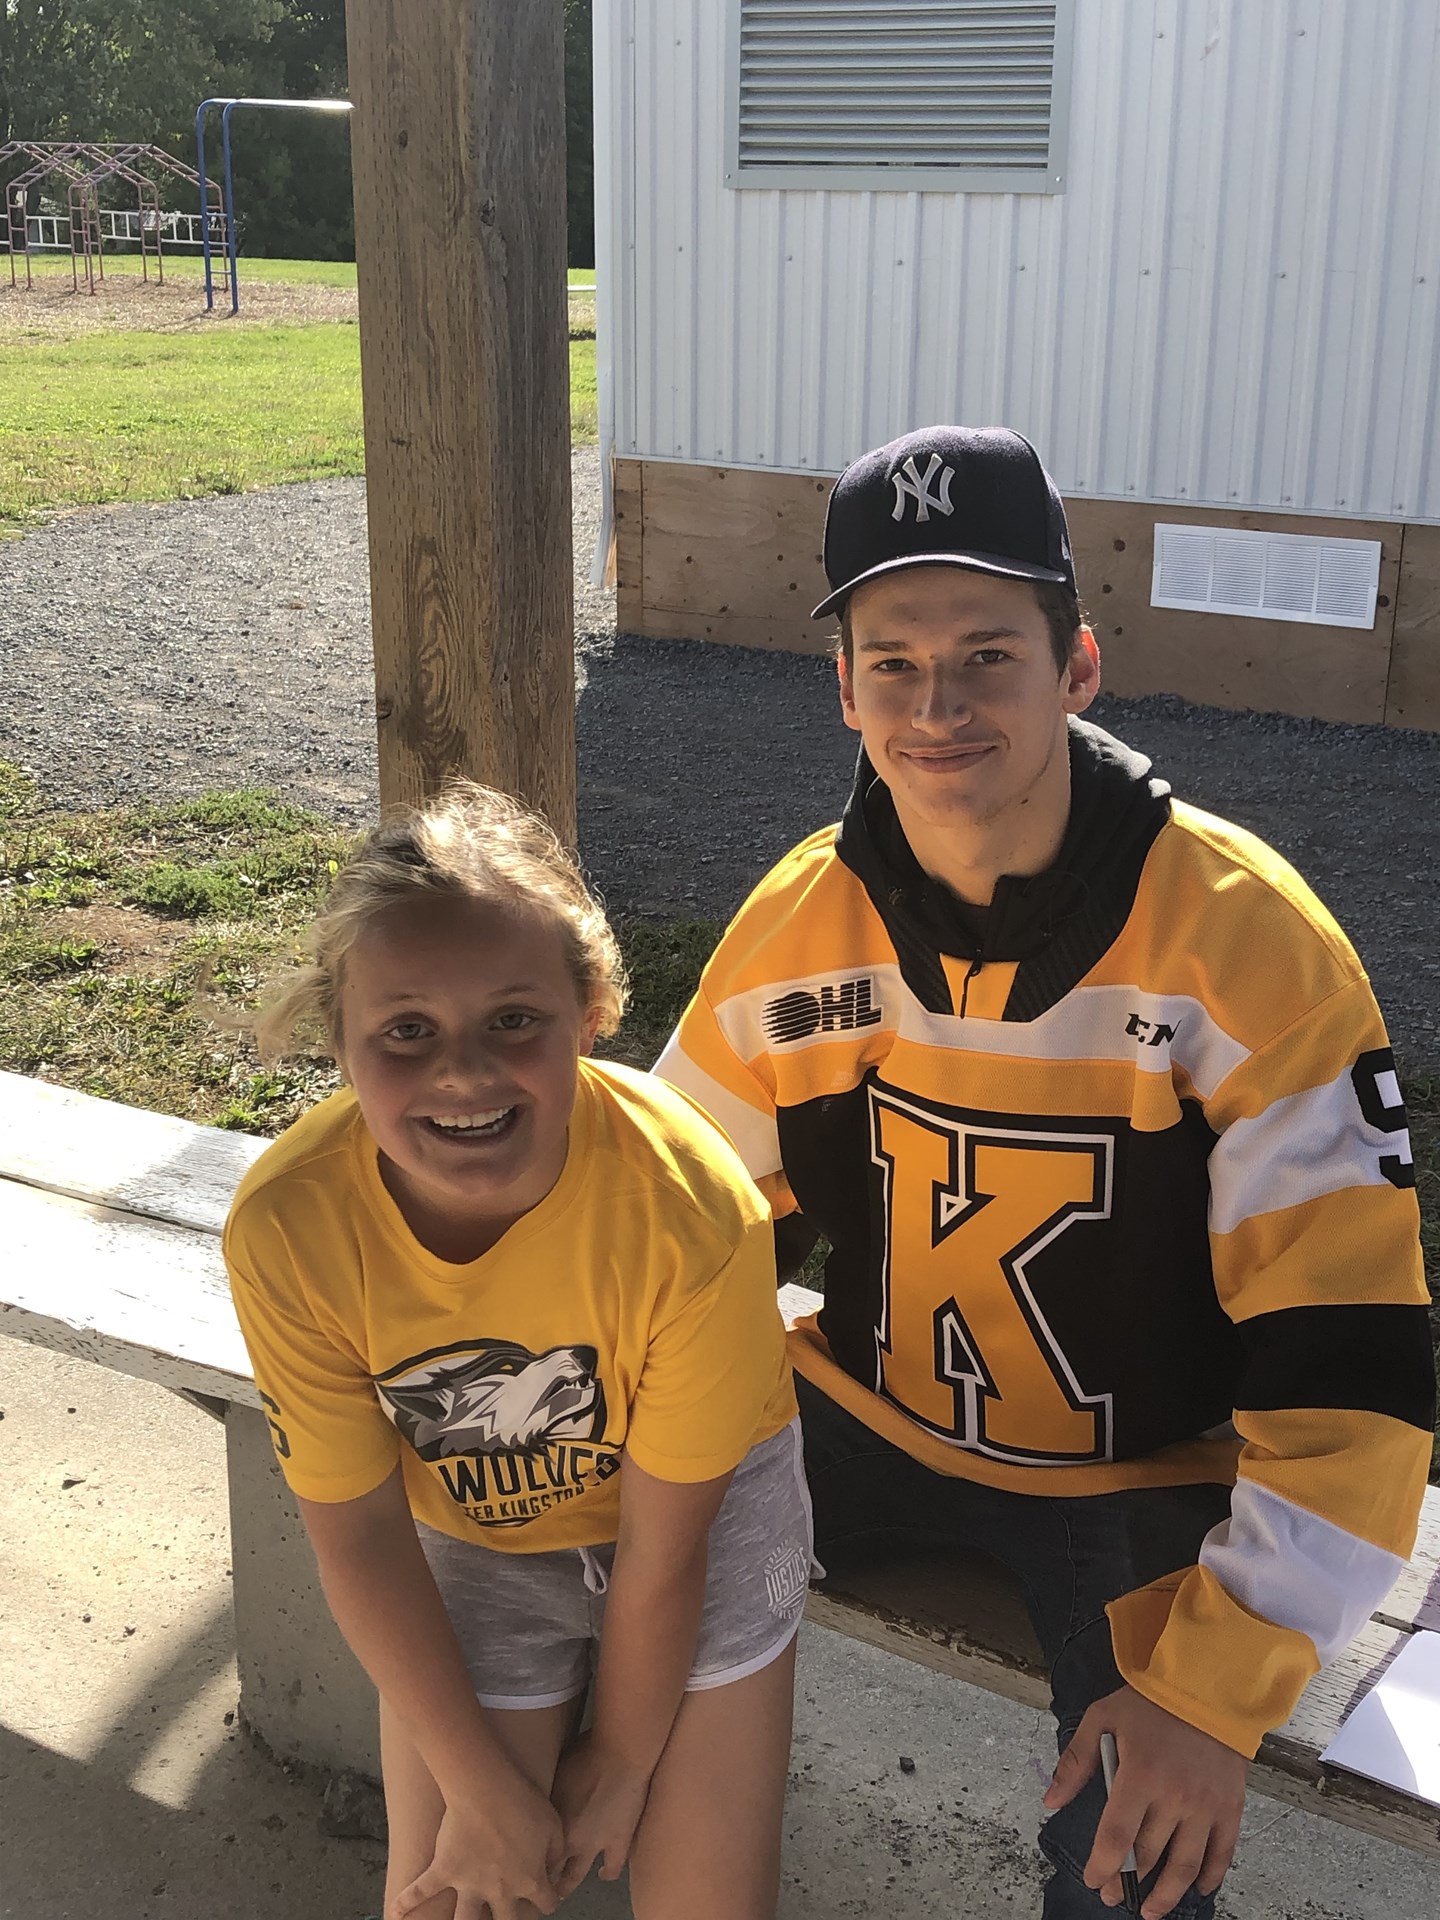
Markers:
(971, 562)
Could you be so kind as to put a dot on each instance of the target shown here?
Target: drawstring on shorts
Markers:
(597, 1580)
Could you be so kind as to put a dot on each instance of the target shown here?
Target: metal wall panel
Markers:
(1235, 302)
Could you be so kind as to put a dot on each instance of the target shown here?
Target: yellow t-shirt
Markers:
(632, 1311)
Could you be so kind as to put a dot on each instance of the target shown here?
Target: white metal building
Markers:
(1190, 248)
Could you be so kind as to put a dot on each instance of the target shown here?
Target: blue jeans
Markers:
(1070, 1557)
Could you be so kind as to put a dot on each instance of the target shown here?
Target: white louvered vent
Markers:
(847, 94)
(1269, 576)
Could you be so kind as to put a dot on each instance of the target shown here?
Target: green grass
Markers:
(300, 273)
(584, 408)
(341, 273)
(147, 416)
(150, 416)
(663, 960)
(131, 942)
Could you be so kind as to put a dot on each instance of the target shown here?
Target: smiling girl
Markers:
(513, 1314)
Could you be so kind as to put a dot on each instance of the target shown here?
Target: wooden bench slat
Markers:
(119, 1156)
(1291, 1755)
(959, 1614)
(1331, 1695)
(1414, 1600)
(136, 1295)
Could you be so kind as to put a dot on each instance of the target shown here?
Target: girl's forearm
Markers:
(652, 1622)
(385, 1602)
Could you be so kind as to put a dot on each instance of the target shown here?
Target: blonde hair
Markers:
(469, 843)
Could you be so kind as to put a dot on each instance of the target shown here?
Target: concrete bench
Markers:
(110, 1220)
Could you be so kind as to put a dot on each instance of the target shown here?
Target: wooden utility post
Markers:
(459, 161)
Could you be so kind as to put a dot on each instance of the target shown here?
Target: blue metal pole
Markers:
(204, 200)
(230, 246)
(232, 249)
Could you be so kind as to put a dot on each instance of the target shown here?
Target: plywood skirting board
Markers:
(732, 555)
(1413, 699)
(723, 553)
(1275, 666)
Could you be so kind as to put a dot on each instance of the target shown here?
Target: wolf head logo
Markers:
(502, 1398)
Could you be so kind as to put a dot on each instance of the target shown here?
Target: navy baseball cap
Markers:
(974, 497)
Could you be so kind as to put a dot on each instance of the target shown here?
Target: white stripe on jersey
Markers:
(1153, 1030)
(1302, 1146)
(753, 1134)
(1299, 1571)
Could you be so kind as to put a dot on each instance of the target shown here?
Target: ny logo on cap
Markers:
(917, 486)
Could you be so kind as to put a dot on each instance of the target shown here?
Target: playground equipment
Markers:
(84, 168)
(228, 105)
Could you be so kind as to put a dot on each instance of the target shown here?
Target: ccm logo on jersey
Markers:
(1150, 1033)
(840, 1008)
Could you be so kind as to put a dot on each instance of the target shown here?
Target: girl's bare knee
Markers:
(709, 1844)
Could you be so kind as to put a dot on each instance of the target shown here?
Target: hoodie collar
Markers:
(1117, 807)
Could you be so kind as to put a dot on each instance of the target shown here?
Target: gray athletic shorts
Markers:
(529, 1623)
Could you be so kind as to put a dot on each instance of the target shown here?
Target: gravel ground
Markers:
(157, 650)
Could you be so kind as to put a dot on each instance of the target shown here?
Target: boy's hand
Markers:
(600, 1800)
(1175, 1787)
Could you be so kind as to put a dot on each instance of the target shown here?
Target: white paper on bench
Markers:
(150, 1163)
(1393, 1735)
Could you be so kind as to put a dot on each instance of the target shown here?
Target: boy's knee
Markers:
(1084, 1672)
(1066, 1845)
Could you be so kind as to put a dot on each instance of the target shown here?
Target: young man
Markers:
(1091, 1098)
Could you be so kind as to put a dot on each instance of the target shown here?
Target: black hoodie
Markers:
(1056, 924)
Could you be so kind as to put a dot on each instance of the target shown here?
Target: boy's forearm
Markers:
(652, 1622)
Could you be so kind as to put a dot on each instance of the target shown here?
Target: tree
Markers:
(137, 70)
(121, 69)
(292, 170)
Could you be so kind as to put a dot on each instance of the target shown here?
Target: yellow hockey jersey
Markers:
(633, 1311)
(1118, 1184)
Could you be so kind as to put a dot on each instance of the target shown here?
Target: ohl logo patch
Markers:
(840, 1007)
(511, 1433)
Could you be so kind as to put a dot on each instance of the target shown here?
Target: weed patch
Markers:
(28, 955)
(133, 942)
(663, 960)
